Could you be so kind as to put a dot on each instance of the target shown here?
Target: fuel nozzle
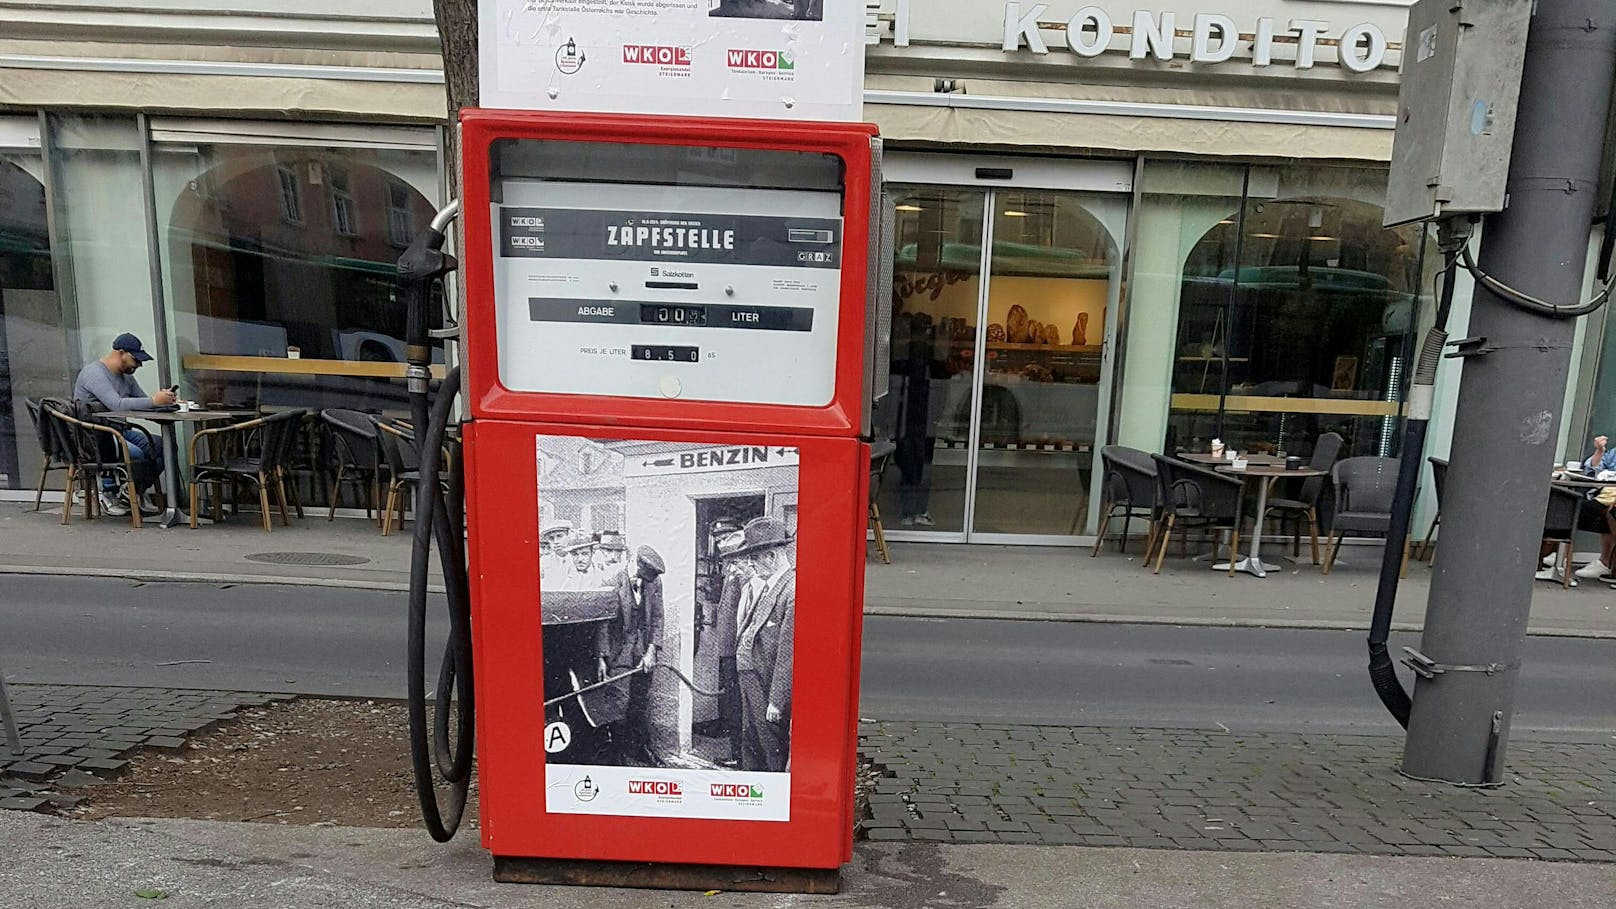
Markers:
(423, 264)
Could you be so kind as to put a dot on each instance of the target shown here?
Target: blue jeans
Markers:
(147, 457)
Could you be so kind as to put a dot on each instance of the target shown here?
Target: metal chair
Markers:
(94, 449)
(1305, 507)
(1364, 490)
(1560, 526)
(1439, 479)
(51, 452)
(880, 455)
(357, 454)
(1193, 496)
(1128, 483)
(230, 462)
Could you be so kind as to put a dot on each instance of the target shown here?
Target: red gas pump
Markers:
(673, 343)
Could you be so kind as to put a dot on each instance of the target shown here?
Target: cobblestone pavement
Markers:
(74, 736)
(1193, 789)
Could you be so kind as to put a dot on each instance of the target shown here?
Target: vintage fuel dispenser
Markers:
(673, 341)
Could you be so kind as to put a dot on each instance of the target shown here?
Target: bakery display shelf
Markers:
(1051, 348)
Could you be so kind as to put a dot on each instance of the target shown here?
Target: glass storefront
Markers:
(999, 385)
(276, 245)
(33, 347)
(1295, 314)
(1265, 305)
(279, 261)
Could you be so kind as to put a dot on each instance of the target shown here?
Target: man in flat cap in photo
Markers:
(634, 638)
(763, 658)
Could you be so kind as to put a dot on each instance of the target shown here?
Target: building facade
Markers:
(1114, 225)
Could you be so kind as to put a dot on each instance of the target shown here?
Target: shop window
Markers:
(33, 353)
(250, 288)
(1296, 317)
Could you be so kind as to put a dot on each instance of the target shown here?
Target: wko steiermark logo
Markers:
(760, 60)
(656, 54)
(735, 791)
(655, 787)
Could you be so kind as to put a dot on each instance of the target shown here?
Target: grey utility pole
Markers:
(1507, 424)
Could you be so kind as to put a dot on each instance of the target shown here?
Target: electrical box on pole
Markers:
(1461, 79)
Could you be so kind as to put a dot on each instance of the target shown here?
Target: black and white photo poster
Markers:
(667, 583)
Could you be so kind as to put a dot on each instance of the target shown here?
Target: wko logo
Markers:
(656, 54)
(760, 59)
(654, 787)
(734, 791)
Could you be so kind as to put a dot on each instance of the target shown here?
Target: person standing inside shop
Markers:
(108, 385)
(763, 658)
(917, 426)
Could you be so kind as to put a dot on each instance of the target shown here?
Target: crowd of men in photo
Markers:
(747, 633)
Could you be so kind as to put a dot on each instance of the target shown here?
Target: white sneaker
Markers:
(148, 505)
(1550, 560)
(1595, 569)
(907, 520)
(112, 505)
(924, 519)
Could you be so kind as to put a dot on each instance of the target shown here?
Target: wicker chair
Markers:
(1194, 496)
(1364, 490)
(94, 449)
(1128, 484)
(1305, 507)
(229, 461)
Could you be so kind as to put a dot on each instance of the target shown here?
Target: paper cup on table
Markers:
(1239, 463)
(293, 353)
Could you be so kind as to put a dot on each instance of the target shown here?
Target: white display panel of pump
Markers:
(689, 292)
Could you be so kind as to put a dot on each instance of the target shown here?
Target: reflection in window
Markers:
(246, 281)
(291, 195)
(1297, 298)
(33, 349)
(343, 216)
(400, 219)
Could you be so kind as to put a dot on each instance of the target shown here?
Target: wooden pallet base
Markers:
(648, 875)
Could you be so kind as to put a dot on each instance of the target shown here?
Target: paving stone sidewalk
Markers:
(1191, 789)
(75, 736)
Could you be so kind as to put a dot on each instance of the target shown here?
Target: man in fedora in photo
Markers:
(108, 385)
(763, 658)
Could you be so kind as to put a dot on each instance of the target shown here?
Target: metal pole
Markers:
(1507, 422)
(12, 738)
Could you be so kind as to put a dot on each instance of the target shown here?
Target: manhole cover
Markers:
(307, 558)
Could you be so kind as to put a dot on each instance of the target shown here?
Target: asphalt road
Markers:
(350, 642)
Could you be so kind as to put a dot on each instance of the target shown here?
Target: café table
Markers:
(168, 421)
(1266, 475)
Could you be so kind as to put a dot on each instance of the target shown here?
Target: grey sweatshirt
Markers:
(102, 389)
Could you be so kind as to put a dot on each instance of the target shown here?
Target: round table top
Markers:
(181, 416)
(1272, 470)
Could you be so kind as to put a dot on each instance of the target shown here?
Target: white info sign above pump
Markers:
(695, 293)
(769, 59)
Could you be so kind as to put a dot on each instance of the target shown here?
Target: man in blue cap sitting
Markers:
(108, 384)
